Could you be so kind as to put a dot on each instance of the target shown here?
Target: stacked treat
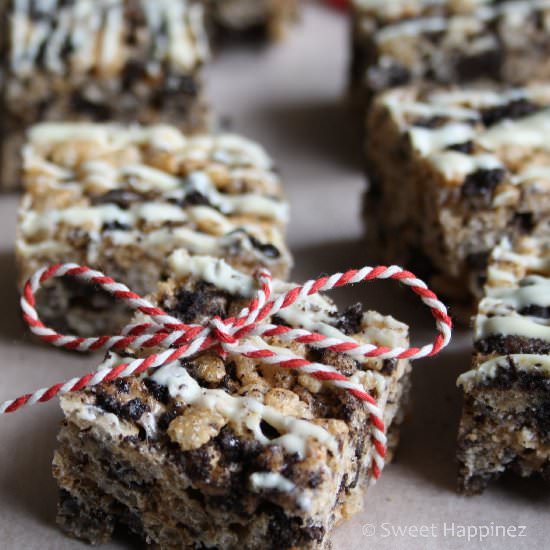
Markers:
(123, 60)
(220, 449)
(457, 97)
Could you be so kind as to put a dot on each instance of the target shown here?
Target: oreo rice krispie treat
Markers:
(121, 198)
(506, 418)
(452, 171)
(228, 453)
(122, 60)
(402, 41)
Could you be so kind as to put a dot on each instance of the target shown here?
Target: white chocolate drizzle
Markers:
(91, 416)
(512, 325)
(518, 277)
(489, 369)
(228, 149)
(213, 271)
(271, 481)
(274, 481)
(529, 131)
(244, 412)
(427, 141)
(462, 111)
(532, 290)
(94, 30)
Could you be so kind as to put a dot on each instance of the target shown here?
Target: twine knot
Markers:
(229, 336)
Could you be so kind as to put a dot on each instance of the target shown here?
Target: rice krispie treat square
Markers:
(454, 170)
(122, 60)
(122, 198)
(399, 42)
(506, 417)
(229, 453)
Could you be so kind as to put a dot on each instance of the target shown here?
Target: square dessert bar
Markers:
(403, 41)
(452, 172)
(123, 60)
(228, 453)
(267, 16)
(506, 418)
(122, 198)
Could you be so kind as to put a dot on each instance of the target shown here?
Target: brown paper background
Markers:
(289, 97)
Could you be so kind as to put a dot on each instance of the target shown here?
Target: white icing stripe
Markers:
(427, 141)
(533, 290)
(144, 178)
(489, 369)
(479, 98)
(529, 131)
(511, 326)
(94, 217)
(456, 165)
(95, 418)
(244, 412)
(403, 106)
(213, 271)
(95, 31)
(160, 243)
(271, 481)
(228, 149)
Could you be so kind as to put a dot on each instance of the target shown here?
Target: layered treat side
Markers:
(452, 171)
(122, 198)
(123, 60)
(270, 18)
(405, 41)
(506, 417)
(228, 453)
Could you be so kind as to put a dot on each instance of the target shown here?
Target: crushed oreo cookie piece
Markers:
(541, 312)
(486, 64)
(268, 250)
(121, 197)
(131, 410)
(467, 147)
(115, 225)
(351, 320)
(430, 122)
(482, 182)
(204, 301)
(515, 109)
(159, 392)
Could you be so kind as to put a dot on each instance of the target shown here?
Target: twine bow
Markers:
(228, 336)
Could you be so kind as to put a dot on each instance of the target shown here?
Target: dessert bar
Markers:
(228, 453)
(122, 60)
(454, 170)
(506, 418)
(399, 42)
(121, 198)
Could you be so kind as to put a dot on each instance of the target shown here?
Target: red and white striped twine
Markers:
(227, 336)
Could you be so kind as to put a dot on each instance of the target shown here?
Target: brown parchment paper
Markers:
(289, 97)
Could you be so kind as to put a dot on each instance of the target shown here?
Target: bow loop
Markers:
(230, 336)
